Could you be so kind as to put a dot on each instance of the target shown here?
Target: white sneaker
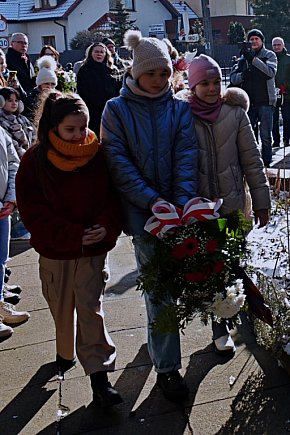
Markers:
(225, 344)
(5, 330)
(10, 315)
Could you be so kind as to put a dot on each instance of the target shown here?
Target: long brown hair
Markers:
(108, 57)
(53, 108)
(52, 49)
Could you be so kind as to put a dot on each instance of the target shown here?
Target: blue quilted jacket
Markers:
(151, 149)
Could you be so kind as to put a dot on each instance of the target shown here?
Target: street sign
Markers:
(3, 23)
(156, 30)
(192, 38)
(4, 43)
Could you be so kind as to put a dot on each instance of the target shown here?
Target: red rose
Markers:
(187, 248)
(211, 246)
(218, 267)
(192, 246)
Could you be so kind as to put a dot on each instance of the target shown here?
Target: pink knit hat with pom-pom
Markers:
(203, 68)
(148, 53)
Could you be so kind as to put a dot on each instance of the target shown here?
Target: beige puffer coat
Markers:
(229, 158)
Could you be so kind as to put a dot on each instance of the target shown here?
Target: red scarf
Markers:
(205, 111)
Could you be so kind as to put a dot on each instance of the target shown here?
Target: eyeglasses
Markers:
(21, 42)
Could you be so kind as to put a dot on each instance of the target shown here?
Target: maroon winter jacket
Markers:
(72, 202)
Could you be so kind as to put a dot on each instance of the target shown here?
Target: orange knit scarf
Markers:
(68, 156)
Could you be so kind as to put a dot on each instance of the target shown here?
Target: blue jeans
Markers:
(285, 112)
(4, 250)
(264, 115)
(164, 349)
(17, 227)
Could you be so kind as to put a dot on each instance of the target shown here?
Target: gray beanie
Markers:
(148, 53)
(46, 74)
(256, 32)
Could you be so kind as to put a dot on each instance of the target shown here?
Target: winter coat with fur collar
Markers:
(229, 156)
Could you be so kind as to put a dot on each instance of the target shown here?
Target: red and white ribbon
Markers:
(166, 216)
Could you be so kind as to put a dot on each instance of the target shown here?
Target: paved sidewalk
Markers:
(256, 404)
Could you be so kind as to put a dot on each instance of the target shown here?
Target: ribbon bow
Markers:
(166, 216)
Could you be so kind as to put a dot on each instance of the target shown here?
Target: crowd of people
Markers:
(79, 168)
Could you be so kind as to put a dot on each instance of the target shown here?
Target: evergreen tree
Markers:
(272, 18)
(196, 28)
(84, 38)
(236, 33)
(121, 23)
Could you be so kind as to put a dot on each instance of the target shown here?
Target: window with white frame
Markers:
(48, 40)
(128, 5)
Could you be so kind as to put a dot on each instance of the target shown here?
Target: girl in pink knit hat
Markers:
(229, 158)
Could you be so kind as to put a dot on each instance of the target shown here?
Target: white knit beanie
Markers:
(47, 66)
(148, 53)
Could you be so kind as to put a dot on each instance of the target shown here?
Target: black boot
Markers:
(104, 394)
(173, 386)
(63, 365)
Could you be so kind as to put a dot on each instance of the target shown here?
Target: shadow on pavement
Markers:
(15, 416)
(124, 284)
(92, 419)
(154, 414)
(19, 246)
(262, 405)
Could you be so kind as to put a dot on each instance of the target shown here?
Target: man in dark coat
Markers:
(110, 44)
(255, 73)
(18, 60)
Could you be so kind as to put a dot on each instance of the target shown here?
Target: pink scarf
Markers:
(205, 111)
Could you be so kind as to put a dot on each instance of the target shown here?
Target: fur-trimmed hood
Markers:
(232, 96)
(237, 97)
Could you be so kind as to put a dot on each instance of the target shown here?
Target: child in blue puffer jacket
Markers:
(150, 144)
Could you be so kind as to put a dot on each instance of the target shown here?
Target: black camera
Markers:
(244, 46)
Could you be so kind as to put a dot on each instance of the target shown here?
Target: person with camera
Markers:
(282, 81)
(18, 60)
(255, 73)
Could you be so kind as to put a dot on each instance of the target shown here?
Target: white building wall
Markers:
(86, 14)
(35, 32)
(149, 12)
(220, 7)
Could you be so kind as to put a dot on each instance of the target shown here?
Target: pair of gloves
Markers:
(248, 55)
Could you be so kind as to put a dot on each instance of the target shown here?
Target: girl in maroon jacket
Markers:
(66, 201)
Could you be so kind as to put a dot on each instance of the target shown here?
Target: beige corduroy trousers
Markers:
(74, 291)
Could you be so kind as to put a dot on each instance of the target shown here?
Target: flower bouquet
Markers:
(196, 254)
(66, 81)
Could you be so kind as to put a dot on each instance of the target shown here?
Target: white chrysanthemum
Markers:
(225, 309)
(230, 305)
